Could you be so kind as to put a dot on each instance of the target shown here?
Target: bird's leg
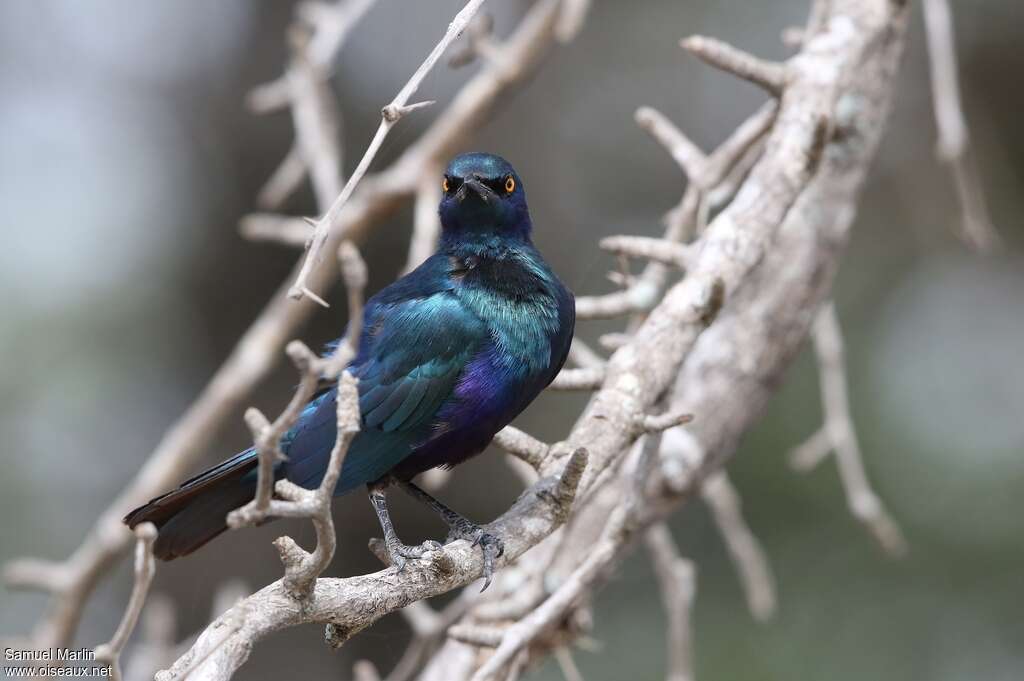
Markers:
(460, 527)
(397, 551)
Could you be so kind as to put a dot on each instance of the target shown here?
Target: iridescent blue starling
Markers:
(449, 354)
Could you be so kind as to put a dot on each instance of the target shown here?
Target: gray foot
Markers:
(399, 552)
(492, 547)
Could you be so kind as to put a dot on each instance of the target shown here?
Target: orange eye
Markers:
(444, 185)
(510, 184)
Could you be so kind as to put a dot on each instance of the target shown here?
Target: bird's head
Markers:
(483, 195)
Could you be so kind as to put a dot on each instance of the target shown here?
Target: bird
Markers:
(447, 356)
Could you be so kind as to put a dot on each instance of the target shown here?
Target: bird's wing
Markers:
(413, 350)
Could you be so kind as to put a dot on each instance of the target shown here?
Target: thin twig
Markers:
(331, 24)
(685, 153)
(518, 636)
(145, 568)
(954, 144)
(390, 115)
(766, 74)
(364, 670)
(678, 581)
(579, 379)
(283, 182)
(840, 436)
(584, 356)
(658, 250)
(522, 445)
(750, 560)
(284, 229)
(426, 223)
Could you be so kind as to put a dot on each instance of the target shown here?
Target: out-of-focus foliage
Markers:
(128, 159)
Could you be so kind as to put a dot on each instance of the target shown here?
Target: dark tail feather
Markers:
(196, 512)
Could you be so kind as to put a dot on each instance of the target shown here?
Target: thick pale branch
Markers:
(352, 604)
(769, 254)
(775, 247)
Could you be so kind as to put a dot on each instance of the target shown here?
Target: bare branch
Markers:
(658, 250)
(518, 636)
(771, 76)
(301, 568)
(316, 118)
(257, 352)
(954, 146)
(645, 292)
(145, 568)
(570, 20)
(678, 581)
(428, 634)
(767, 252)
(390, 115)
(771, 249)
(584, 356)
(735, 147)
(480, 635)
(522, 445)
(364, 670)
(689, 157)
(839, 435)
(641, 296)
(426, 224)
(331, 24)
(656, 423)
(285, 229)
(578, 379)
(566, 662)
(283, 182)
(479, 42)
(747, 555)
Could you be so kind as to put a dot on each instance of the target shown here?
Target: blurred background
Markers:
(128, 158)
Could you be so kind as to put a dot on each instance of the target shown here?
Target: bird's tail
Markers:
(196, 512)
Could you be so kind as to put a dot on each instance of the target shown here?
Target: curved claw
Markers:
(493, 548)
